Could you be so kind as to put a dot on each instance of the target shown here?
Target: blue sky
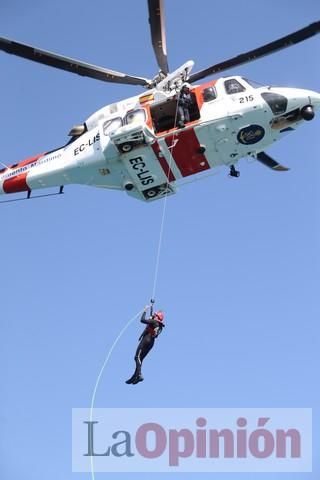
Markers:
(239, 266)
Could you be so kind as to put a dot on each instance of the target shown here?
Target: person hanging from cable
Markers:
(154, 325)
(184, 105)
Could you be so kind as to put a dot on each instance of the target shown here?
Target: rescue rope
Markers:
(156, 271)
(173, 144)
(105, 363)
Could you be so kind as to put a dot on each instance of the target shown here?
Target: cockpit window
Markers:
(136, 116)
(112, 125)
(233, 86)
(253, 83)
(277, 103)
(209, 94)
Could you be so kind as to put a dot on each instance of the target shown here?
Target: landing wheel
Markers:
(151, 193)
(233, 172)
(126, 147)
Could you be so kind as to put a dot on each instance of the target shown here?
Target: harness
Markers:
(154, 331)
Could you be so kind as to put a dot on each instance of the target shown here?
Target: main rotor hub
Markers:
(174, 80)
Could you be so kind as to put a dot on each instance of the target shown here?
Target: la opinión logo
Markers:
(171, 439)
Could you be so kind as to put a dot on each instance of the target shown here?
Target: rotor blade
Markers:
(69, 64)
(284, 42)
(269, 162)
(158, 34)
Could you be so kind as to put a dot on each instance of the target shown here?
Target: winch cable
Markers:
(164, 209)
(156, 271)
(104, 365)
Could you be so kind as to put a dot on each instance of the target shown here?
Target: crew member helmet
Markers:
(159, 316)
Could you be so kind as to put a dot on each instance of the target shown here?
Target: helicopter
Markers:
(137, 146)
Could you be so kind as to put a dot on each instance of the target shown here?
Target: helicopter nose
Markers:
(313, 103)
(307, 101)
(314, 99)
(291, 105)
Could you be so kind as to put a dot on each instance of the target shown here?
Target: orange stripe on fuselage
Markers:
(16, 184)
(23, 163)
(29, 160)
(163, 162)
(185, 149)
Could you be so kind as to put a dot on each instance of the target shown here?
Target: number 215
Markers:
(248, 98)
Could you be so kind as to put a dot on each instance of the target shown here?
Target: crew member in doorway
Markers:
(184, 104)
(154, 325)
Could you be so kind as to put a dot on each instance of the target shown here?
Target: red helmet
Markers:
(159, 316)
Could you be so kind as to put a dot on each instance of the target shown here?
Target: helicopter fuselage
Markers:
(135, 145)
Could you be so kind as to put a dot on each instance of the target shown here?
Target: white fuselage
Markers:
(134, 145)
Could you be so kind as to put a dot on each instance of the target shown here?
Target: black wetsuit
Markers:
(150, 333)
(184, 103)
